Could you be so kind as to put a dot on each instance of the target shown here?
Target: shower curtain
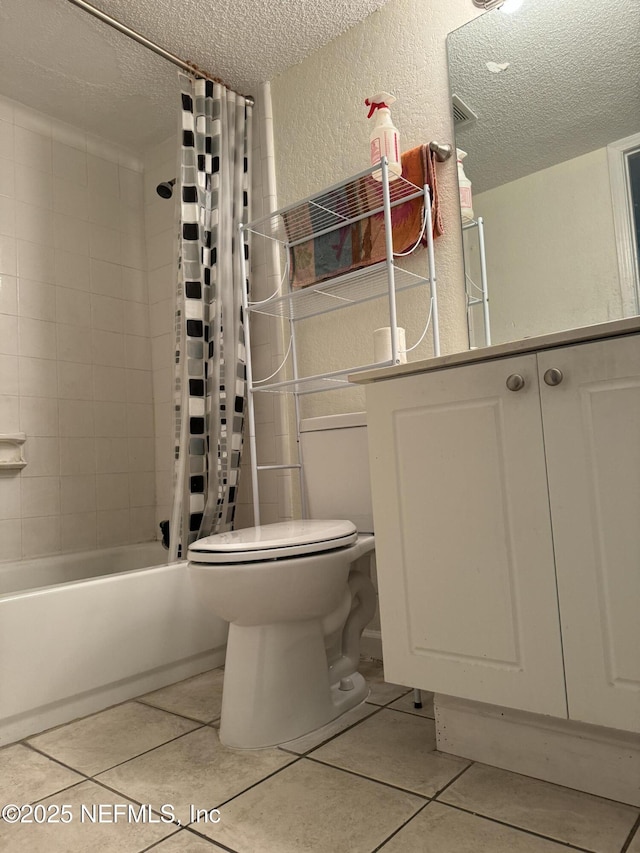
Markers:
(210, 352)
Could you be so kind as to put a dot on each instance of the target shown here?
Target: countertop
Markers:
(612, 329)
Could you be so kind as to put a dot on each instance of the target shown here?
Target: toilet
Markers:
(297, 596)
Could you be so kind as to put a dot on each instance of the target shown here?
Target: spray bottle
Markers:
(466, 204)
(384, 138)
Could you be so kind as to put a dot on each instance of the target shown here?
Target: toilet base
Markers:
(276, 685)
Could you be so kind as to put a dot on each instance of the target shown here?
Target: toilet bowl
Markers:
(297, 596)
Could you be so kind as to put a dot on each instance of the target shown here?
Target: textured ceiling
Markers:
(572, 85)
(56, 58)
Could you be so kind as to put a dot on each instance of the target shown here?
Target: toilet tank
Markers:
(336, 468)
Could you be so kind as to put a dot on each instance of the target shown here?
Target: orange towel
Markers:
(363, 243)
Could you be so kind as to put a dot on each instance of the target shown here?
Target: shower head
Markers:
(165, 189)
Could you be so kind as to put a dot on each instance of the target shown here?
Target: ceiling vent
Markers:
(462, 114)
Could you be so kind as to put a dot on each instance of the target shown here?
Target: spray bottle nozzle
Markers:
(373, 106)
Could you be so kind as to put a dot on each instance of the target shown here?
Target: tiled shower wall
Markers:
(75, 350)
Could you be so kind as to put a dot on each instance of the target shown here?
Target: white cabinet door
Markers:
(592, 437)
(466, 577)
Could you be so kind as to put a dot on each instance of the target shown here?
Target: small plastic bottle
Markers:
(466, 204)
(384, 138)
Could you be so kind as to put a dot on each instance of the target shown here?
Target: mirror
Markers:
(547, 107)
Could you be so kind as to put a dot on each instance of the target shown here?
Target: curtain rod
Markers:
(145, 42)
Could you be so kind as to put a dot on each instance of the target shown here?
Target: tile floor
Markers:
(371, 781)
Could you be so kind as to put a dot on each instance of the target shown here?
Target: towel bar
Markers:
(442, 152)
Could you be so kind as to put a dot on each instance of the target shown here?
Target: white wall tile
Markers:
(40, 496)
(43, 457)
(74, 344)
(11, 538)
(68, 135)
(163, 317)
(78, 532)
(109, 383)
(36, 338)
(36, 300)
(75, 381)
(35, 262)
(31, 119)
(71, 270)
(40, 536)
(39, 415)
(136, 319)
(8, 255)
(108, 348)
(113, 527)
(9, 381)
(6, 140)
(7, 216)
(132, 250)
(77, 456)
(138, 352)
(8, 294)
(112, 491)
(161, 250)
(33, 223)
(33, 186)
(106, 278)
(112, 455)
(163, 384)
(139, 386)
(38, 376)
(71, 234)
(143, 524)
(32, 149)
(107, 313)
(78, 493)
(104, 243)
(8, 334)
(111, 420)
(9, 414)
(141, 454)
(142, 489)
(76, 418)
(70, 199)
(10, 489)
(104, 178)
(139, 419)
(134, 285)
(69, 163)
(7, 178)
(104, 210)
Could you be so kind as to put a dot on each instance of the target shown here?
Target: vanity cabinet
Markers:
(507, 514)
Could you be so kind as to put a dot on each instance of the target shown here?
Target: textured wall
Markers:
(322, 136)
(551, 250)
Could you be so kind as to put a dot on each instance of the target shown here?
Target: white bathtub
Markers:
(80, 632)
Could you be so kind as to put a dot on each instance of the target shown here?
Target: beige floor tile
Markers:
(199, 697)
(193, 770)
(27, 776)
(396, 748)
(81, 834)
(310, 808)
(103, 740)
(440, 829)
(310, 741)
(185, 842)
(560, 813)
(634, 847)
(405, 703)
(381, 691)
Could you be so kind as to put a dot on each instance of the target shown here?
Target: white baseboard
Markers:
(600, 761)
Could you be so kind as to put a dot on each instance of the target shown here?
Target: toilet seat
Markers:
(272, 541)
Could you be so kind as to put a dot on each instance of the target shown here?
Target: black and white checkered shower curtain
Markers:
(210, 351)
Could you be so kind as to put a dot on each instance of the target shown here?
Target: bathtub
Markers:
(80, 632)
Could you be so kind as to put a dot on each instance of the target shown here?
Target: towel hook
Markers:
(442, 152)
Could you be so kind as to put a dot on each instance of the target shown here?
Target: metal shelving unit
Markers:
(481, 295)
(340, 205)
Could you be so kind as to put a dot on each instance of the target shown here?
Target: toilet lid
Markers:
(268, 541)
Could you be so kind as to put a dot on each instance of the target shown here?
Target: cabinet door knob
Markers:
(553, 376)
(515, 382)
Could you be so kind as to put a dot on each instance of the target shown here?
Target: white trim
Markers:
(623, 223)
(597, 760)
